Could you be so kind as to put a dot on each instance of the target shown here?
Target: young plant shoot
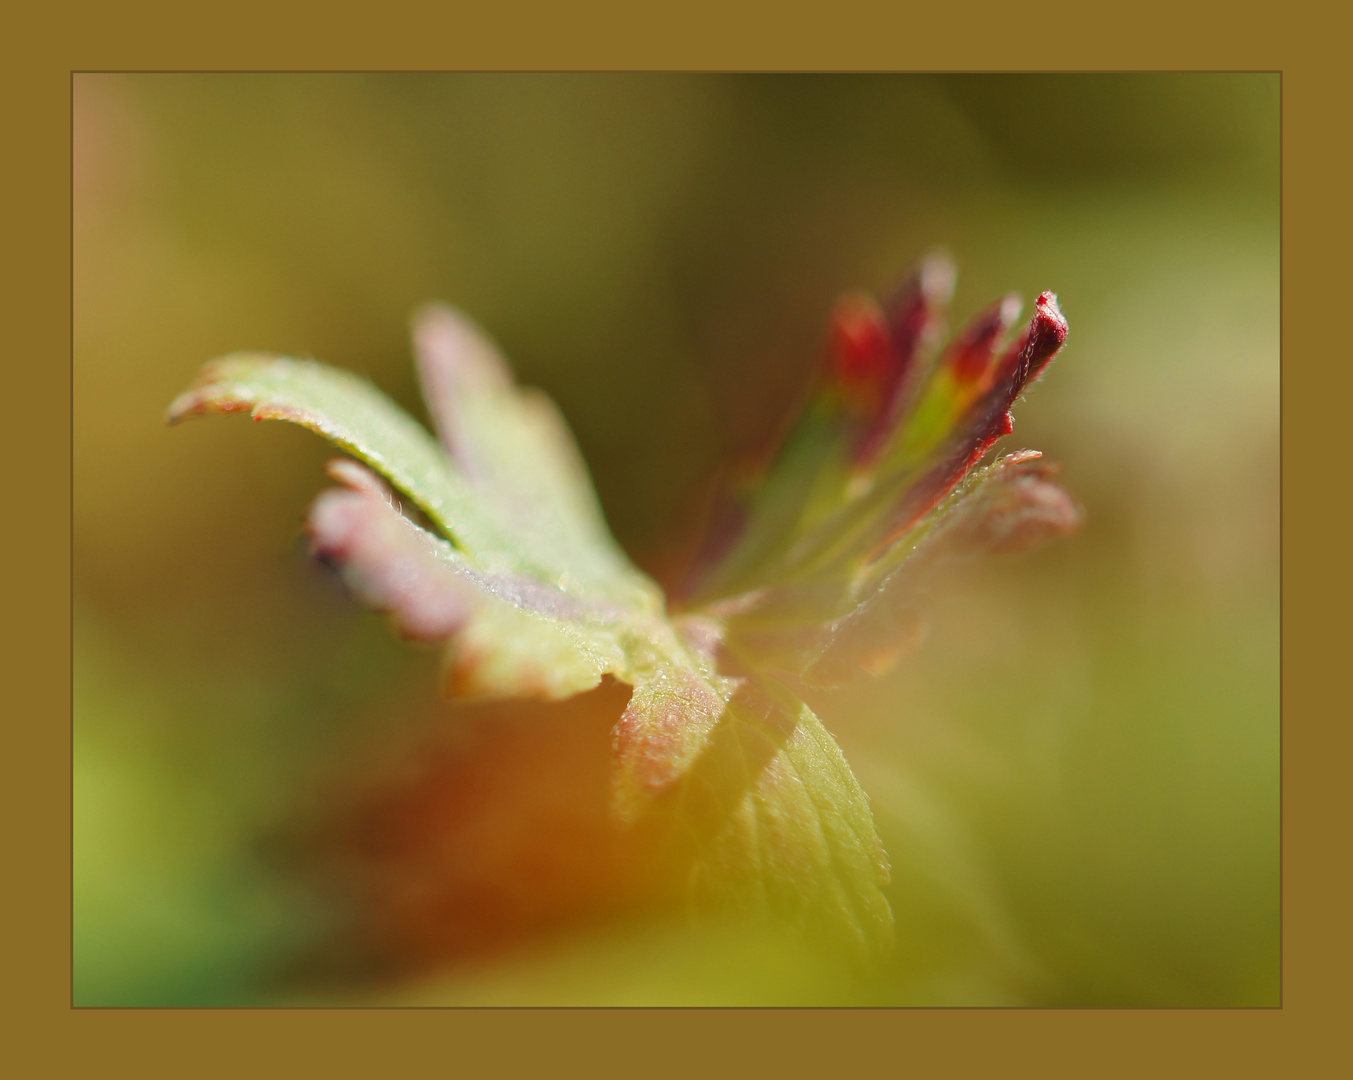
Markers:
(807, 577)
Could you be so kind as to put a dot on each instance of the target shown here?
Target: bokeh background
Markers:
(1076, 775)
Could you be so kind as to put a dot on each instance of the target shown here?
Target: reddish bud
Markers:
(1037, 346)
(915, 309)
(914, 322)
(861, 354)
(970, 356)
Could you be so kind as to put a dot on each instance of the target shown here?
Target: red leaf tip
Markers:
(1042, 340)
(1049, 317)
(1047, 334)
(970, 356)
(860, 349)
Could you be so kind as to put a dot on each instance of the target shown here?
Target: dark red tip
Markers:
(1039, 343)
(1047, 334)
(860, 350)
(970, 356)
(914, 310)
(914, 320)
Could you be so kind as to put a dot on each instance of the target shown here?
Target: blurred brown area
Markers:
(469, 843)
(1076, 776)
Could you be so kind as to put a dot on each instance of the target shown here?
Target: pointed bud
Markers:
(1037, 346)
(915, 317)
(860, 351)
(915, 309)
(970, 356)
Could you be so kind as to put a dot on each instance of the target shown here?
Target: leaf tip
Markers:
(453, 350)
(970, 356)
(218, 388)
(1047, 334)
(937, 276)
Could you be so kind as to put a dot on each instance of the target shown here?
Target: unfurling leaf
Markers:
(809, 576)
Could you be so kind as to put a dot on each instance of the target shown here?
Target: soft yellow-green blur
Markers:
(1076, 776)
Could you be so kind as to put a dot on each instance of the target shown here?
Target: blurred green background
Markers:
(1076, 776)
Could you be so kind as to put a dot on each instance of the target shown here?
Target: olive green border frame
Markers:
(48, 44)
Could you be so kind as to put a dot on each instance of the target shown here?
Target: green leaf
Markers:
(722, 771)
(513, 447)
(735, 779)
(768, 812)
(354, 415)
